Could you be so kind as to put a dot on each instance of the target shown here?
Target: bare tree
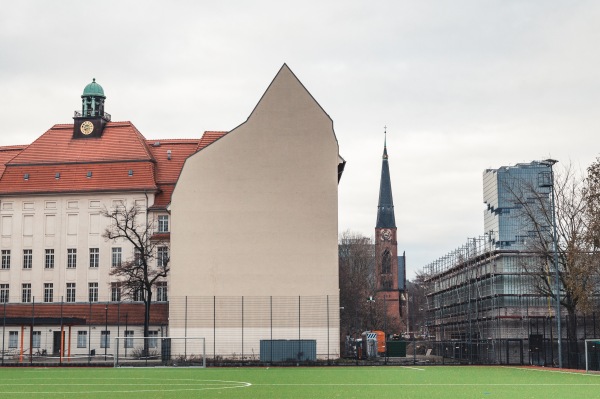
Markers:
(577, 258)
(150, 263)
(357, 285)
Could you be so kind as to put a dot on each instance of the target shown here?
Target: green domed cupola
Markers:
(91, 120)
(92, 100)
(93, 89)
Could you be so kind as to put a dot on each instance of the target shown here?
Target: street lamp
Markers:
(371, 300)
(551, 163)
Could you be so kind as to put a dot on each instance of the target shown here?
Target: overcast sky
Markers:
(461, 86)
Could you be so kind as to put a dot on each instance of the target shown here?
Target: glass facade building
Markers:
(506, 191)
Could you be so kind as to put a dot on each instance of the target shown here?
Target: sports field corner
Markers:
(299, 382)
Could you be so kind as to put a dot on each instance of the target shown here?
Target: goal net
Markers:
(160, 351)
(592, 354)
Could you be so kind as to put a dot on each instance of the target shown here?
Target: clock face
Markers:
(86, 127)
(386, 235)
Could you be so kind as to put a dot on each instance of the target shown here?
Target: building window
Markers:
(94, 257)
(162, 255)
(82, 339)
(71, 258)
(36, 339)
(115, 292)
(129, 339)
(93, 292)
(3, 293)
(13, 339)
(105, 339)
(26, 293)
(48, 292)
(161, 291)
(116, 256)
(152, 341)
(163, 223)
(6, 258)
(137, 257)
(138, 295)
(70, 292)
(27, 258)
(386, 262)
(49, 259)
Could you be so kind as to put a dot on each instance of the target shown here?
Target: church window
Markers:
(386, 262)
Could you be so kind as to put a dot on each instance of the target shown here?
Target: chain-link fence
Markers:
(240, 329)
(72, 333)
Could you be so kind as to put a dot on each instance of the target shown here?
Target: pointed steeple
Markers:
(385, 208)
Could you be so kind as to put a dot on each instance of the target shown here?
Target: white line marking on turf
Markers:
(208, 385)
(413, 368)
(553, 371)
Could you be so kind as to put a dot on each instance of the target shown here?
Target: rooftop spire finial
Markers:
(385, 142)
(385, 136)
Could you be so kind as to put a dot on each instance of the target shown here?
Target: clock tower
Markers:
(91, 120)
(386, 250)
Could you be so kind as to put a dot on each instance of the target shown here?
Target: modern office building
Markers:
(504, 219)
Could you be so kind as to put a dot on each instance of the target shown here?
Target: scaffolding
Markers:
(480, 299)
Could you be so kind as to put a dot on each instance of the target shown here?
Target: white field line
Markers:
(195, 385)
(552, 371)
(412, 368)
(430, 384)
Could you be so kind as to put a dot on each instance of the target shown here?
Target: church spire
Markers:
(385, 208)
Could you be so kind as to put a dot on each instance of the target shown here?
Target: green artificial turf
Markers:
(298, 382)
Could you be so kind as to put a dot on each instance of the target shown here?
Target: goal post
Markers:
(592, 354)
(160, 351)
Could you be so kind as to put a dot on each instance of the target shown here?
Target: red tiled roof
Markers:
(110, 176)
(7, 153)
(119, 141)
(168, 170)
(208, 138)
(163, 197)
(155, 164)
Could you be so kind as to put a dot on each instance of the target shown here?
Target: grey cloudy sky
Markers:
(461, 85)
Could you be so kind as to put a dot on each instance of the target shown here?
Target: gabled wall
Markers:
(254, 234)
(255, 213)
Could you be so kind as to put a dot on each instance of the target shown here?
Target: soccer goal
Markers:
(160, 351)
(592, 354)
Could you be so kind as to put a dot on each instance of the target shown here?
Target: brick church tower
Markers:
(386, 252)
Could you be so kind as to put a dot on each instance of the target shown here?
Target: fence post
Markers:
(271, 321)
(327, 329)
(89, 321)
(299, 323)
(215, 327)
(185, 317)
(242, 329)
(3, 332)
(62, 338)
(31, 333)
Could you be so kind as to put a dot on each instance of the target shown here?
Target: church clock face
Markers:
(86, 127)
(386, 235)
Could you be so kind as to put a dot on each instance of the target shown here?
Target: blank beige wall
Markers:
(255, 213)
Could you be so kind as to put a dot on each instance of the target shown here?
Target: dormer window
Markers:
(26, 176)
(130, 173)
(89, 174)
(57, 175)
